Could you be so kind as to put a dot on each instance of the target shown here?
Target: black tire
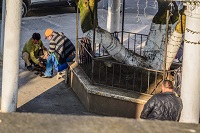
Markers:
(24, 9)
(75, 7)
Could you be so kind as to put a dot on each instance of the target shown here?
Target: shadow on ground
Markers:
(59, 99)
(43, 11)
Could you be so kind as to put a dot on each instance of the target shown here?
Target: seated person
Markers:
(61, 51)
(32, 51)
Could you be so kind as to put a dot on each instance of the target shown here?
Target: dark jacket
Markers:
(163, 106)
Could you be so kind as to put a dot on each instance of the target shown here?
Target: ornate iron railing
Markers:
(103, 70)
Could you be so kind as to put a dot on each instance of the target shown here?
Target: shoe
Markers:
(29, 68)
(44, 76)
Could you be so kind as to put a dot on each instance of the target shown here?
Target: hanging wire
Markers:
(155, 4)
(138, 12)
(146, 5)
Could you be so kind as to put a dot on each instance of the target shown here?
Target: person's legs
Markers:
(49, 66)
(43, 55)
(51, 61)
(60, 68)
(26, 58)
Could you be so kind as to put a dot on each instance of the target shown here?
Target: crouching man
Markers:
(61, 51)
(32, 50)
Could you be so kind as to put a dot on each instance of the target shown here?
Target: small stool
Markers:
(61, 74)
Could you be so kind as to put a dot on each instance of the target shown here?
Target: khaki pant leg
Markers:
(26, 58)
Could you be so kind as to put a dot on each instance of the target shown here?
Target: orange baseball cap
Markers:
(48, 32)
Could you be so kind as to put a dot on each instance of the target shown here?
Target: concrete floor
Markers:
(41, 95)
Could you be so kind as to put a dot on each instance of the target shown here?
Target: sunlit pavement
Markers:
(41, 95)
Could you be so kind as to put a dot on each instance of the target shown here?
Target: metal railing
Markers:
(131, 41)
(104, 70)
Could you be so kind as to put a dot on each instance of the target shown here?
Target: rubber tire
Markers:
(75, 7)
(24, 9)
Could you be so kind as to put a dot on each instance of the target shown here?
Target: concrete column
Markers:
(113, 18)
(2, 27)
(190, 87)
(11, 56)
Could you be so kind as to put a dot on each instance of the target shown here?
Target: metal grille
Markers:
(104, 70)
(131, 41)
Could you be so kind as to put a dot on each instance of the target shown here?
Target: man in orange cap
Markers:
(61, 51)
(48, 33)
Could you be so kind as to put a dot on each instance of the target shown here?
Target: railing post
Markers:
(77, 47)
(122, 37)
(166, 42)
(94, 43)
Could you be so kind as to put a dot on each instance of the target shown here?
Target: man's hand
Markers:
(46, 56)
(40, 64)
(44, 48)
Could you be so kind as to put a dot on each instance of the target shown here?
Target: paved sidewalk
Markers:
(41, 95)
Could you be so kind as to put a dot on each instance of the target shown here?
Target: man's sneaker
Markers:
(29, 68)
(44, 76)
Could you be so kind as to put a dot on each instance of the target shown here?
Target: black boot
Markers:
(29, 68)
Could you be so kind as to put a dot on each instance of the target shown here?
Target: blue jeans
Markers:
(51, 61)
